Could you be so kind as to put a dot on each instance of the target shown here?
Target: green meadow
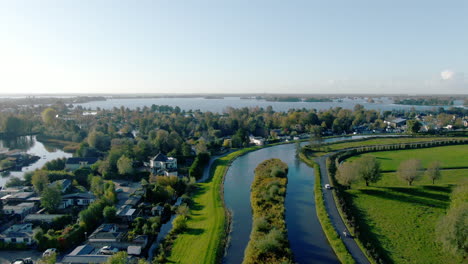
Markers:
(401, 219)
(449, 156)
(203, 241)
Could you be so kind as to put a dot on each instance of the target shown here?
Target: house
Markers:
(85, 254)
(258, 141)
(21, 209)
(396, 122)
(18, 234)
(17, 197)
(114, 236)
(64, 185)
(162, 162)
(77, 199)
(41, 218)
(127, 213)
(157, 210)
(76, 163)
(104, 235)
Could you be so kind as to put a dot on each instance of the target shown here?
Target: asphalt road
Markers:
(335, 217)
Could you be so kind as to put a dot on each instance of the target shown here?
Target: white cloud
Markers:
(447, 74)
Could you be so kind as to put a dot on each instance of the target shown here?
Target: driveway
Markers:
(7, 256)
(335, 217)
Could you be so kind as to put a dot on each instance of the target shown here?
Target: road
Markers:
(335, 217)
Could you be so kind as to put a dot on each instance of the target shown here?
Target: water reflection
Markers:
(22, 143)
(29, 145)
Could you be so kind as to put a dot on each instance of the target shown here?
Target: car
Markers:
(124, 184)
(327, 186)
(49, 252)
(108, 250)
(119, 190)
(22, 261)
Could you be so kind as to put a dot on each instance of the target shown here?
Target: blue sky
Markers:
(233, 46)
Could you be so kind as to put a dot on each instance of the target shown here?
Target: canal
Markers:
(308, 242)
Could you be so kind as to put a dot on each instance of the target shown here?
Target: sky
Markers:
(239, 46)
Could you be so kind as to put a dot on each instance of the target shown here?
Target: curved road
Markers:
(335, 217)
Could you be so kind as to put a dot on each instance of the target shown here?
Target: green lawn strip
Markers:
(204, 240)
(383, 141)
(449, 156)
(333, 237)
(402, 219)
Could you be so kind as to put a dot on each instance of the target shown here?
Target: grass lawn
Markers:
(402, 219)
(449, 156)
(207, 224)
(383, 141)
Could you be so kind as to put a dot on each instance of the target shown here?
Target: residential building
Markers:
(76, 163)
(85, 254)
(258, 141)
(77, 199)
(18, 234)
(161, 164)
(21, 209)
(41, 218)
(64, 185)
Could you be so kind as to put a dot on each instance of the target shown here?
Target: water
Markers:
(220, 105)
(29, 144)
(308, 242)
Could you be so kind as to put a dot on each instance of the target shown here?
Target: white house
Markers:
(80, 199)
(259, 141)
(21, 209)
(162, 162)
(18, 234)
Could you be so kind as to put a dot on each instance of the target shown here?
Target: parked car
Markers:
(124, 184)
(327, 186)
(108, 250)
(22, 261)
(49, 252)
(119, 190)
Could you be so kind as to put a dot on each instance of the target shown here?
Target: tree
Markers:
(50, 259)
(413, 126)
(99, 140)
(451, 229)
(125, 165)
(109, 213)
(179, 224)
(433, 171)
(14, 181)
(368, 169)
(347, 174)
(49, 115)
(120, 257)
(316, 139)
(40, 180)
(410, 170)
(51, 198)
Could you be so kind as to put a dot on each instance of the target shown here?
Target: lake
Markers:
(30, 145)
(219, 105)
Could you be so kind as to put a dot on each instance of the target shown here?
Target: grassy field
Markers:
(449, 156)
(203, 240)
(381, 141)
(400, 219)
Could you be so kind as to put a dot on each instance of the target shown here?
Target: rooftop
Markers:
(80, 160)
